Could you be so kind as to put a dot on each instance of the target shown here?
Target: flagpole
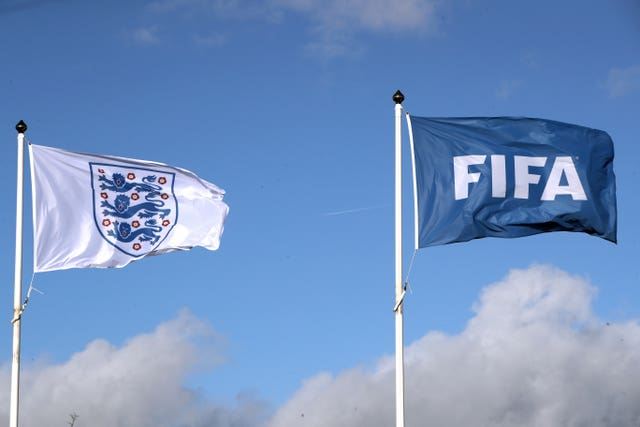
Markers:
(398, 97)
(21, 127)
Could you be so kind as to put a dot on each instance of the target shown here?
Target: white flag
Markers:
(104, 211)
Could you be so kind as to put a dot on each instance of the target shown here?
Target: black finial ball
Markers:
(398, 97)
(21, 127)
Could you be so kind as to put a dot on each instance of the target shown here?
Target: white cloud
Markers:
(507, 88)
(144, 36)
(533, 355)
(335, 21)
(623, 81)
(210, 19)
(139, 384)
(374, 15)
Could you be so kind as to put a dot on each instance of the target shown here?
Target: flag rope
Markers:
(406, 279)
(18, 315)
(406, 284)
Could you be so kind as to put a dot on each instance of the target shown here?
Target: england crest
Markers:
(134, 208)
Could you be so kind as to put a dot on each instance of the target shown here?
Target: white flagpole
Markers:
(398, 97)
(21, 127)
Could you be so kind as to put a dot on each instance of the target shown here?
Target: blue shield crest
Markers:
(134, 208)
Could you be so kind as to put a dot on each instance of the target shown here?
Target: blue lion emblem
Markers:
(122, 209)
(134, 207)
(119, 184)
(122, 231)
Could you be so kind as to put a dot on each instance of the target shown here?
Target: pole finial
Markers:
(398, 97)
(21, 127)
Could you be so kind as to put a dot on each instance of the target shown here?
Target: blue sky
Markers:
(286, 104)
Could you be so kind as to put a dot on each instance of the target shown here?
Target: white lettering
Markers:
(563, 164)
(461, 176)
(498, 176)
(522, 175)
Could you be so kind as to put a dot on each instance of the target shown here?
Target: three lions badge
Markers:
(134, 208)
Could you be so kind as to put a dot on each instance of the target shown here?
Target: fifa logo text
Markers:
(523, 174)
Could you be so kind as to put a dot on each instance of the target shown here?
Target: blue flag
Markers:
(510, 177)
